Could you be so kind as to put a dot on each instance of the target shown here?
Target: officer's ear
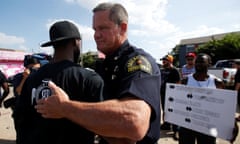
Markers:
(123, 27)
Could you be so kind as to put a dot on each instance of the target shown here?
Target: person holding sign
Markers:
(201, 78)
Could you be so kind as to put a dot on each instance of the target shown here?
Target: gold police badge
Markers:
(139, 63)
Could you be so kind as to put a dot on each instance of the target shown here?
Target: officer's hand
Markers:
(51, 107)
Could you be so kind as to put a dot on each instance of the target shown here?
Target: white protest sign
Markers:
(209, 111)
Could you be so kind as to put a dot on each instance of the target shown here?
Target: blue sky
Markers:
(154, 25)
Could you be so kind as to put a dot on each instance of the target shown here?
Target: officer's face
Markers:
(107, 33)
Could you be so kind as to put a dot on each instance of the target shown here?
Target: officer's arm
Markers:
(125, 118)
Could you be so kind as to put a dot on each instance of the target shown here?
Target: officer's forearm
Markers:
(112, 118)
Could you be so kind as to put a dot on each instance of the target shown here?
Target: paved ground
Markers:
(7, 132)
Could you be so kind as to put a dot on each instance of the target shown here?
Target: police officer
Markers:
(131, 110)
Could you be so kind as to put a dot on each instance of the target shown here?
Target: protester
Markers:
(201, 78)
(169, 74)
(4, 87)
(189, 67)
(131, 110)
(79, 83)
(31, 63)
(237, 85)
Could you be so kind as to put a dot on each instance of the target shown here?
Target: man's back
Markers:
(79, 83)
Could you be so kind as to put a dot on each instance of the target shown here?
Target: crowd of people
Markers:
(193, 73)
(121, 102)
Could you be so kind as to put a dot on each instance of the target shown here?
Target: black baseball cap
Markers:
(30, 59)
(62, 30)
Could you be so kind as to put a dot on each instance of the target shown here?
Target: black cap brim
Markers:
(47, 44)
(50, 43)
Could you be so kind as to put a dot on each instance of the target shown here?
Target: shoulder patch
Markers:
(139, 63)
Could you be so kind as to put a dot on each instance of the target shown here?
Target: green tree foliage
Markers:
(175, 54)
(226, 48)
(89, 60)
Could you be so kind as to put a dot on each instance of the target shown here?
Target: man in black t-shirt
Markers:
(79, 83)
(169, 74)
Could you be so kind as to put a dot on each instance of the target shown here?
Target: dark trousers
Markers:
(174, 127)
(187, 136)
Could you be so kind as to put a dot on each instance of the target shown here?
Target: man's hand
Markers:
(51, 107)
(26, 73)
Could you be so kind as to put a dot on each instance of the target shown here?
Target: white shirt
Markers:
(210, 82)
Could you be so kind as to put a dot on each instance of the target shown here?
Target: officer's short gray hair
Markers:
(118, 13)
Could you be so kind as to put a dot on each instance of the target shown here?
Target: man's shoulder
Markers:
(174, 69)
(17, 77)
(218, 81)
(215, 77)
(184, 66)
(86, 73)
